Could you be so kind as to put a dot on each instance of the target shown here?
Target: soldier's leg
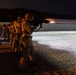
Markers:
(32, 54)
(11, 39)
(13, 45)
(16, 43)
(25, 56)
(23, 60)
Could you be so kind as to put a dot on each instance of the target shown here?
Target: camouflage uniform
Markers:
(17, 33)
(26, 42)
(11, 34)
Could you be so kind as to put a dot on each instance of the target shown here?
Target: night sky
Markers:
(52, 6)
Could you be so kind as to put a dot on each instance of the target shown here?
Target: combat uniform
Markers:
(16, 39)
(11, 30)
(27, 44)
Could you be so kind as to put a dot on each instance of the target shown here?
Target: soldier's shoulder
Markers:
(14, 21)
(24, 22)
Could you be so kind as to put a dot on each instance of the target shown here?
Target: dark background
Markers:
(52, 6)
(65, 9)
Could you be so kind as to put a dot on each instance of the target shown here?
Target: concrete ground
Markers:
(55, 62)
(9, 63)
(51, 61)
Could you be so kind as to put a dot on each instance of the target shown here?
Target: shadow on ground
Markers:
(55, 62)
(9, 66)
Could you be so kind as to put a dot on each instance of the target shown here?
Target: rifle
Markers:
(38, 24)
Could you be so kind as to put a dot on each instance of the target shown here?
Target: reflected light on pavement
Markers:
(62, 40)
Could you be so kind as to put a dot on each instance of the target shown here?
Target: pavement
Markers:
(50, 61)
(55, 62)
(9, 63)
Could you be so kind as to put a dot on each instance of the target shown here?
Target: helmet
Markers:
(29, 16)
(18, 18)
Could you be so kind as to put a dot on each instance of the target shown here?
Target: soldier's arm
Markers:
(26, 27)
